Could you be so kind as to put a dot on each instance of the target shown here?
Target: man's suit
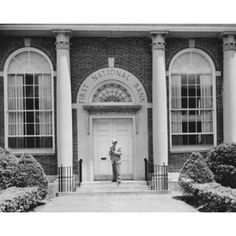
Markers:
(115, 155)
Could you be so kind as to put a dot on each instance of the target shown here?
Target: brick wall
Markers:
(91, 54)
(132, 54)
(7, 46)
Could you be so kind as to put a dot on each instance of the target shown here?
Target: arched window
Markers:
(112, 92)
(192, 100)
(29, 107)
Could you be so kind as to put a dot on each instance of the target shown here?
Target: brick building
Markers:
(163, 90)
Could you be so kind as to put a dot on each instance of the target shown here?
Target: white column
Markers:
(229, 88)
(64, 103)
(159, 100)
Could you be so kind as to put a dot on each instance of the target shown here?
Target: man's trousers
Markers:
(116, 171)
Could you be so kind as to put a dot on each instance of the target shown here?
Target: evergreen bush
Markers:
(222, 161)
(213, 197)
(19, 199)
(29, 173)
(8, 163)
(194, 170)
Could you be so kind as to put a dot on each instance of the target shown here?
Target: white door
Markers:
(104, 130)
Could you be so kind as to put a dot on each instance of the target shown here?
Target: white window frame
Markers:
(36, 151)
(190, 148)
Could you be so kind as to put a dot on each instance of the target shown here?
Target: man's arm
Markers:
(118, 151)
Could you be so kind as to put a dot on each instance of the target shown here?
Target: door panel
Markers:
(123, 132)
(104, 130)
(102, 140)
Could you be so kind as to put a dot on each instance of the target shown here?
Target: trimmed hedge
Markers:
(19, 199)
(222, 161)
(29, 173)
(213, 197)
(8, 163)
(194, 170)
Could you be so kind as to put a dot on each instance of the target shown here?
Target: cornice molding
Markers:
(118, 30)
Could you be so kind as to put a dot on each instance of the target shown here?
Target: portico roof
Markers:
(119, 30)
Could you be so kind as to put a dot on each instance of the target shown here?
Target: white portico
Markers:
(64, 103)
(229, 88)
(112, 102)
(159, 100)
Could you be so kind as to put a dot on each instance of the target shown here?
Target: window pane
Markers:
(29, 91)
(29, 104)
(29, 79)
(207, 139)
(176, 122)
(176, 91)
(184, 102)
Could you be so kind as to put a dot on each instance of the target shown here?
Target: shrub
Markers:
(19, 199)
(8, 164)
(214, 197)
(29, 173)
(194, 170)
(222, 161)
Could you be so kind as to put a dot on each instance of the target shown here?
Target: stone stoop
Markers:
(108, 187)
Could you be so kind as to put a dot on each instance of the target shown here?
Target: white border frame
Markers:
(212, 65)
(6, 65)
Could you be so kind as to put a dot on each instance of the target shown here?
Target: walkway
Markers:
(116, 203)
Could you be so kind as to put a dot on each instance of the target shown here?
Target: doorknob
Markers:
(103, 158)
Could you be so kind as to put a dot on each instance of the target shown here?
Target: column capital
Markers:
(62, 39)
(229, 41)
(158, 40)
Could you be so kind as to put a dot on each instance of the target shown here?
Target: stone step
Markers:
(113, 189)
(109, 184)
(102, 193)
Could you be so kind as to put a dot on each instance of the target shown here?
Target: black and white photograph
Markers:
(117, 117)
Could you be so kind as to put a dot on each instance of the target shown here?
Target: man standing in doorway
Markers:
(115, 155)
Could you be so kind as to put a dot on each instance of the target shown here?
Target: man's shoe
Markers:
(113, 180)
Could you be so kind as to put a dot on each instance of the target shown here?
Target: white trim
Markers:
(84, 118)
(212, 65)
(187, 149)
(33, 151)
(6, 65)
(217, 73)
(74, 105)
(123, 27)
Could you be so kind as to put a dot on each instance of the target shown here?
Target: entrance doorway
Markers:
(104, 130)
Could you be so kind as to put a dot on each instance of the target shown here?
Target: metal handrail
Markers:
(69, 177)
(80, 174)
